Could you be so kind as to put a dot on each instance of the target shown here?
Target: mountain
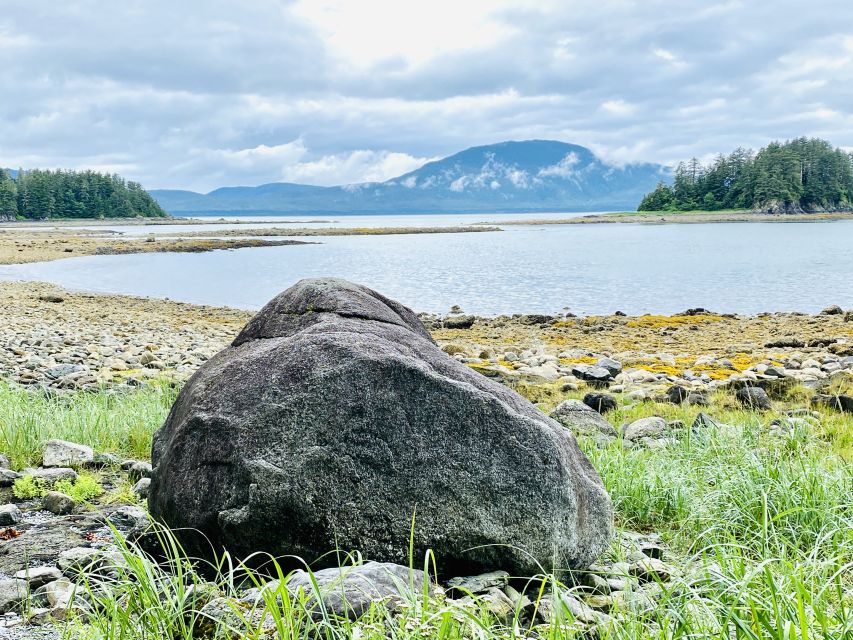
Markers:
(526, 176)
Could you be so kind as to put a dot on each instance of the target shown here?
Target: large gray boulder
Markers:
(334, 421)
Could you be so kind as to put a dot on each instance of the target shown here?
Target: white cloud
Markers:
(565, 168)
(368, 32)
(618, 107)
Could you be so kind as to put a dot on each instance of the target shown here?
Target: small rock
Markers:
(613, 366)
(10, 515)
(592, 374)
(459, 322)
(651, 569)
(140, 470)
(479, 583)
(4, 462)
(13, 593)
(104, 461)
(697, 399)
(677, 394)
(141, 487)
(495, 601)
(651, 427)
(58, 503)
(833, 310)
(582, 420)
(350, 591)
(601, 402)
(843, 403)
(652, 550)
(53, 475)
(60, 453)
(753, 398)
(8, 477)
(36, 577)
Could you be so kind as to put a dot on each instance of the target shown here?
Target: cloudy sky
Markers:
(204, 93)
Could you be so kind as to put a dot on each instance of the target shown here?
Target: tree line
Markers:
(801, 175)
(38, 195)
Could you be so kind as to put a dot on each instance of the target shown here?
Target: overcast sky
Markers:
(204, 93)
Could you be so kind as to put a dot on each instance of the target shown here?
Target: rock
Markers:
(63, 370)
(793, 343)
(334, 419)
(10, 515)
(600, 402)
(651, 569)
(651, 427)
(349, 591)
(140, 470)
(53, 475)
(4, 462)
(582, 420)
(613, 366)
(498, 604)
(676, 394)
(7, 477)
(13, 593)
(697, 399)
(59, 453)
(142, 487)
(58, 503)
(89, 561)
(129, 517)
(56, 594)
(39, 545)
(559, 607)
(833, 310)
(652, 550)
(459, 322)
(703, 421)
(842, 402)
(36, 577)
(753, 398)
(591, 373)
(104, 461)
(479, 583)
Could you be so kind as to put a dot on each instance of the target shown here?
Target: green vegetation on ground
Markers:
(121, 423)
(760, 524)
(37, 195)
(795, 176)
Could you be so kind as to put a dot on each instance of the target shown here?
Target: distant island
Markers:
(798, 176)
(515, 176)
(40, 195)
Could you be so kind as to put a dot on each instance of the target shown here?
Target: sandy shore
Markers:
(23, 243)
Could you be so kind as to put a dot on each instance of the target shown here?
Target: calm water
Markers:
(727, 267)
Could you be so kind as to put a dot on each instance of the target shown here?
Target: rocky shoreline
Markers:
(617, 382)
(58, 339)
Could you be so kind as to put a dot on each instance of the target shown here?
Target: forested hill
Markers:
(37, 195)
(802, 175)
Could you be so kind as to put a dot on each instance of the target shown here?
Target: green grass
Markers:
(762, 525)
(121, 423)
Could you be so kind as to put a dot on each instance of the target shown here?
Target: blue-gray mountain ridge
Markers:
(526, 176)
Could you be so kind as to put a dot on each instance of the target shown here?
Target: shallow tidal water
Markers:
(586, 269)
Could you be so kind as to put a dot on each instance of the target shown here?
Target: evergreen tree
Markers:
(8, 196)
(72, 194)
(798, 175)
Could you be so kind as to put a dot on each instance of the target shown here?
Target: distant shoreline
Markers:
(686, 217)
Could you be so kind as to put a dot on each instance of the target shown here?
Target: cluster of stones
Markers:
(57, 340)
(47, 543)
